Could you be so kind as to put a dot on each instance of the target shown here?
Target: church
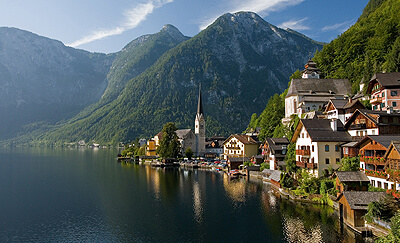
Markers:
(196, 141)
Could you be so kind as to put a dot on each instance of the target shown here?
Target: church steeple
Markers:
(200, 128)
(200, 105)
(310, 70)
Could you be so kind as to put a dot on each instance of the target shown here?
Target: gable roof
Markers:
(384, 140)
(275, 144)
(360, 199)
(393, 145)
(352, 103)
(320, 131)
(312, 86)
(245, 139)
(387, 80)
(372, 115)
(352, 176)
(182, 133)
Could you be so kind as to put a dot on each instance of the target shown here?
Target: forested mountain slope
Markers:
(239, 61)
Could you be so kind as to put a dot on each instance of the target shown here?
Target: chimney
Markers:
(334, 124)
(389, 109)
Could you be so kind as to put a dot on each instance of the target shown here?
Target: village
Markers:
(333, 128)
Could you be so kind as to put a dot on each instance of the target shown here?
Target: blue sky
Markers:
(108, 25)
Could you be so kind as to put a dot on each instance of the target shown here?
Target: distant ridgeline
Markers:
(240, 61)
(371, 45)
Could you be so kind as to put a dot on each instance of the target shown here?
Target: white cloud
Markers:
(133, 17)
(342, 26)
(258, 6)
(294, 24)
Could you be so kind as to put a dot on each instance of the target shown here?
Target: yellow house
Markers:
(239, 145)
(151, 148)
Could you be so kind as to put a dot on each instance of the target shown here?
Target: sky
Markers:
(106, 26)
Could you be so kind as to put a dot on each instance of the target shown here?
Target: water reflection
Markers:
(85, 196)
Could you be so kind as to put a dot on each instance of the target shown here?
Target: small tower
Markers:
(311, 70)
(200, 129)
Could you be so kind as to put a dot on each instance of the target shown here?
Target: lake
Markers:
(85, 195)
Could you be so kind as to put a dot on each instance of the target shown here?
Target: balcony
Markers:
(376, 100)
(376, 160)
(303, 152)
(306, 165)
(358, 126)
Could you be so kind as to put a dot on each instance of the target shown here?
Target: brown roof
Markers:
(372, 115)
(360, 199)
(245, 139)
(320, 130)
(312, 86)
(387, 80)
(352, 176)
(351, 103)
(383, 140)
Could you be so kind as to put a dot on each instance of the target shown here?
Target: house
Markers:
(275, 178)
(240, 145)
(187, 139)
(151, 148)
(372, 149)
(350, 149)
(214, 147)
(392, 165)
(235, 162)
(384, 89)
(274, 152)
(367, 122)
(353, 206)
(342, 109)
(318, 144)
(311, 93)
(351, 181)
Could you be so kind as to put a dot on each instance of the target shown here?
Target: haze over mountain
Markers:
(239, 61)
(43, 80)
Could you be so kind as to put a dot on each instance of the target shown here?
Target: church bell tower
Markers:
(200, 129)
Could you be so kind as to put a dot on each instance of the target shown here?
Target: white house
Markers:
(318, 144)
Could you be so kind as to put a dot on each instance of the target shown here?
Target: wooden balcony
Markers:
(372, 160)
(306, 165)
(393, 164)
(376, 100)
(303, 152)
(358, 126)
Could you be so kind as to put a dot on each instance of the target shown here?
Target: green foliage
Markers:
(247, 163)
(264, 166)
(286, 180)
(375, 189)
(141, 151)
(369, 46)
(350, 164)
(308, 183)
(384, 209)
(189, 153)
(290, 159)
(169, 144)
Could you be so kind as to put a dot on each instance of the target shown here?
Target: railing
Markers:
(303, 152)
(306, 165)
(379, 174)
(358, 126)
(372, 160)
(393, 164)
(376, 100)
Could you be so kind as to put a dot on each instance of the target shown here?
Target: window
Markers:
(337, 148)
(302, 135)
(312, 148)
(327, 161)
(327, 148)
(393, 93)
(383, 94)
(373, 132)
(337, 160)
(394, 103)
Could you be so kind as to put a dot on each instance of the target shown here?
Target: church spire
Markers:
(200, 104)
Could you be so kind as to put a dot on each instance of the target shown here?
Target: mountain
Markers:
(371, 45)
(41, 80)
(239, 61)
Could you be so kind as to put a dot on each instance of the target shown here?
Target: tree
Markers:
(169, 144)
(189, 153)
(350, 164)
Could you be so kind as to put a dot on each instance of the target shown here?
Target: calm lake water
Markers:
(85, 195)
